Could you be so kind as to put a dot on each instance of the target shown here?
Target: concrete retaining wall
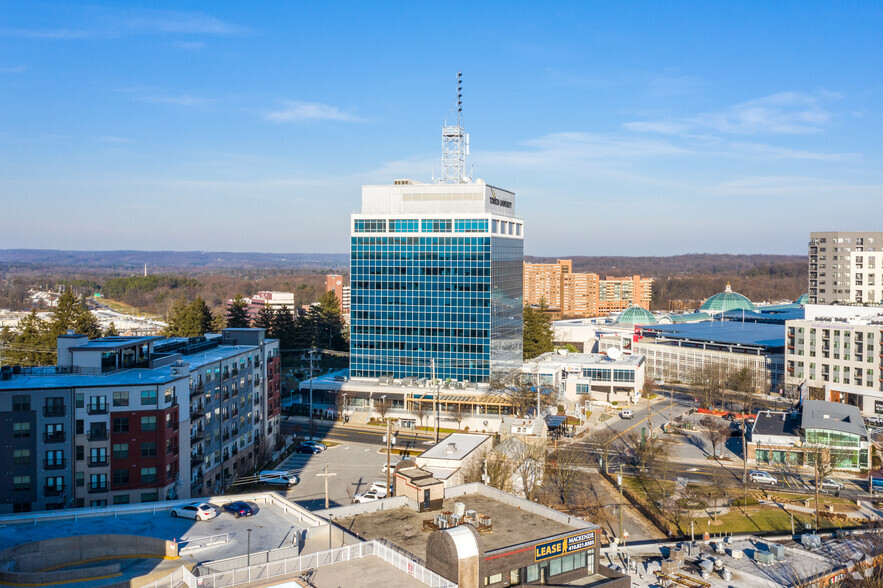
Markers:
(23, 562)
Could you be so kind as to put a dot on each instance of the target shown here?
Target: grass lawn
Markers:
(127, 309)
(763, 519)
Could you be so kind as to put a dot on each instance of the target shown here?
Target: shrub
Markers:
(746, 501)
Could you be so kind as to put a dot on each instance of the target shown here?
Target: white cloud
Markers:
(295, 111)
(159, 96)
(102, 23)
(787, 113)
(769, 151)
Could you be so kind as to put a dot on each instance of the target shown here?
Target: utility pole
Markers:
(619, 483)
(435, 399)
(744, 452)
(388, 444)
(311, 395)
(326, 475)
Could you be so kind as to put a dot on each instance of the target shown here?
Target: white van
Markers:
(279, 477)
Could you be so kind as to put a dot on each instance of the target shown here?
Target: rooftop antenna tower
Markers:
(455, 145)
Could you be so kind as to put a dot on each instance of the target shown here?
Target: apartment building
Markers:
(845, 267)
(334, 283)
(120, 420)
(583, 294)
(835, 353)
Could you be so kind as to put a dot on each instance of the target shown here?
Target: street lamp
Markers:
(248, 561)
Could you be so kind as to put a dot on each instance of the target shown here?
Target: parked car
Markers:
(379, 487)
(369, 496)
(239, 509)
(831, 484)
(200, 511)
(729, 417)
(875, 421)
(759, 477)
(304, 448)
(316, 444)
(627, 414)
(278, 477)
(392, 467)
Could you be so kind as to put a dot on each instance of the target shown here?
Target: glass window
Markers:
(121, 499)
(148, 397)
(403, 226)
(21, 430)
(148, 475)
(121, 398)
(21, 456)
(532, 573)
(120, 477)
(148, 497)
(120, 450)
(148, 449)
(121, 424)
(555, 566)
(370, 226)
(21, 402)
(79, 400)
(436, 225)
(21, 483)
(148, 423)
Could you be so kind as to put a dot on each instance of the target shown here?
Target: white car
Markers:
(627, 414)
(200, 511)
(316, 444)
(759, 477)
(379, 487)
(392, 467)
(278, 477)
(369, 496)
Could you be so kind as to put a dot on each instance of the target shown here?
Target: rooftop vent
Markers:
(451, 448)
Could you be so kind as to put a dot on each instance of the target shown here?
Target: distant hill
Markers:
(51, 259)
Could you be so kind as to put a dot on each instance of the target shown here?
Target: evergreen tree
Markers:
(219, 323)
(537, 331)
(202, 317)
(33, 344)
(284, 327)
(237, 313)
(111, 330)
(265, 319)
(71, 313)
(324, 324)
(177, 318)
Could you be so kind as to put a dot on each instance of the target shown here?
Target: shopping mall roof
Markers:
(635, 315)
(726, 300)
(770, 337)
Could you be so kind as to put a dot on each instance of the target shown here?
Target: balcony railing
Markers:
(197, 390)
(196, 460)
(54, 411)
(57, 437)
(197, 412)
(95, 488)
(97, 409)
(98, 462)
(100, 435)
(56, 464)
(53, 490)
(197, 436)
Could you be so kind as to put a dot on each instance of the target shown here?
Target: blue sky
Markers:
(630, 128)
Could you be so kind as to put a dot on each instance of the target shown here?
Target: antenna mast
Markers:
(455, 145)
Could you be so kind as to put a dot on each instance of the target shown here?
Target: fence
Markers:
(173, 580)
(303, 563)
(187, 545)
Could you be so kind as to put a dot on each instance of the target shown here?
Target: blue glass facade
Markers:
(455, 297)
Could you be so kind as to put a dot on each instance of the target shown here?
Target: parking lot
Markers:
(354, 465)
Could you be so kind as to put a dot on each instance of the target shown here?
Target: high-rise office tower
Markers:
(436, 276)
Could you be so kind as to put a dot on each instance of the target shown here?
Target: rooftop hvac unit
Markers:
(736, 553)
(460, 509)
(766, 557)
(778, 550)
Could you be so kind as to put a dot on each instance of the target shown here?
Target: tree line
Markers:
(321, 326)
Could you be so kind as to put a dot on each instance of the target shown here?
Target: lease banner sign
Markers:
(564, 545)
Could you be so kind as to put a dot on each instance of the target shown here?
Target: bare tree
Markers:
(522, 394)
(382, 407)
(459, 412)
(649, 451)
(823, 466)
(564, 471)
(527, 457)
(340, 404)
(711, 380)
(419, 409)
(715, 431)
(604, 438)
(492, 468)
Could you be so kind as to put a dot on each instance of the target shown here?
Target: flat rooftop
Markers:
(455, 446)
(767, 336)
(584, 359)
(272, 526)
(404, 526)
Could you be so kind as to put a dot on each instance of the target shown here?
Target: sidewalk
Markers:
(340, 426)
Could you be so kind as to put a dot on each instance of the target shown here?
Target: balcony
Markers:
(197, 460)
(97, 435)
(197, 390)
(99, 462)
(56, 437)
(56, 464)
(95, 488)
(54, 411)
(197, 436)
(197, 412)
(97, 409)
(53, 490)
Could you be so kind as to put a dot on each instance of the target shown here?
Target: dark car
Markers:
(729, 417)
(307, 449)
(239, 509)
